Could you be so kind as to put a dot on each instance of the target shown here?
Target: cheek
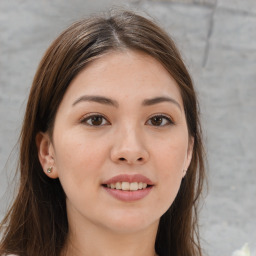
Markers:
(172, 154)
(170, 157)
(75, 160)
(171, 170)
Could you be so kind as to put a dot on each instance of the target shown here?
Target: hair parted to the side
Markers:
(36, 224)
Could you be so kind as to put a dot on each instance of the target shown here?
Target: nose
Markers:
(129, 148)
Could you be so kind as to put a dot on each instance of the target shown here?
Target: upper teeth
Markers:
(127, 185)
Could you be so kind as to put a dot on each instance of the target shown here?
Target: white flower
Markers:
(244, 251)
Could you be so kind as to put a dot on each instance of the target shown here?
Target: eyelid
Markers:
(90, 115)
(169, 119)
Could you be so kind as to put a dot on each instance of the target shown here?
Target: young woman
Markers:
(111, 159)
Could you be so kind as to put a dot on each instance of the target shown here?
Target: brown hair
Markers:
(37, 223)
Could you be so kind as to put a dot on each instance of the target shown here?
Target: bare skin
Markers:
(121, 115)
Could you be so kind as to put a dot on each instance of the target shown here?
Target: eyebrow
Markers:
(157, 100)
(114, 103)
(98, 99)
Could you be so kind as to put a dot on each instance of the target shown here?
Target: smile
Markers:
(128, 188)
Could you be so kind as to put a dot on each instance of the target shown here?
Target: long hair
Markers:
(36, 223)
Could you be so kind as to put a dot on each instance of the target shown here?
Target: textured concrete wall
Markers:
(218, 42)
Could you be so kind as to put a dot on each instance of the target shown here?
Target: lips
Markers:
(128, 187)
(129, 178)
(133, 186)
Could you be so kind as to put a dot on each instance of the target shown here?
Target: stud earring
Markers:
(49, 170)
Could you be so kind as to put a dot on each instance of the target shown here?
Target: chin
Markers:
(131, 222)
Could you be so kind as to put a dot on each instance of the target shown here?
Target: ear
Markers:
(189, 155)
(45, 152)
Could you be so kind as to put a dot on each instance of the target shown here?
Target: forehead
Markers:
(124, 75)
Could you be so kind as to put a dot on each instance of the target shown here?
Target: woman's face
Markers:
(120, 144)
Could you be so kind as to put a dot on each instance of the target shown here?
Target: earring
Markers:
(49, 170)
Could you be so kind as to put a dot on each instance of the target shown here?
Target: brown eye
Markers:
(159, 120)
(156, 120)
(95, 120)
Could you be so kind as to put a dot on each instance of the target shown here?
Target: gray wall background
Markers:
(218, 41)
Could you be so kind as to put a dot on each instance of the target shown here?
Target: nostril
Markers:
(131, 160)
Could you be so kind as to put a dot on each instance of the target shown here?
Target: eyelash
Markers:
(168, 120)
(90, 116)
(85, 120)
